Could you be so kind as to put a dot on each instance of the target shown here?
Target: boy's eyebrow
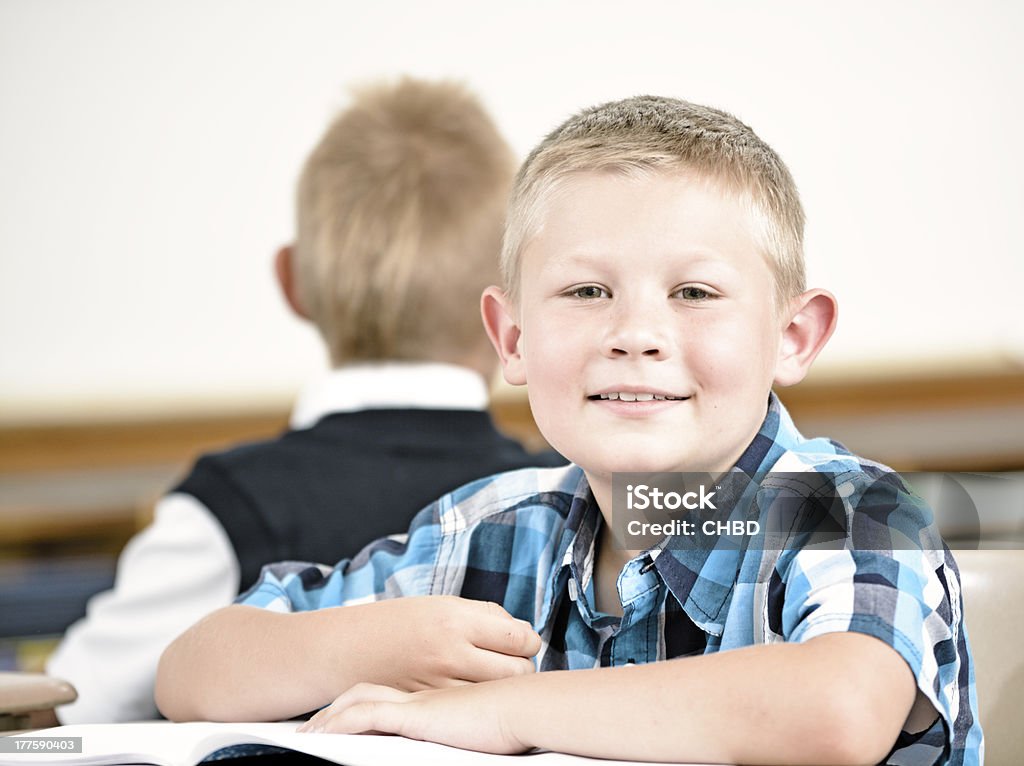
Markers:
(563, 260)
(598, 259)
(572, 258)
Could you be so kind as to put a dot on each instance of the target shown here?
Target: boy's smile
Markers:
(629, 401)
(646, 328)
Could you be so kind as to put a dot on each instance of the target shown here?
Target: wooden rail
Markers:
(100, 478)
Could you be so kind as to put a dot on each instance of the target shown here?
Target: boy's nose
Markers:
(639, 336)
(624, 349)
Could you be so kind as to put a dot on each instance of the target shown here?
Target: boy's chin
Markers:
(651, 464)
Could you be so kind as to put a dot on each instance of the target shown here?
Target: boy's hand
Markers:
(470, 717)
(302, 660)
(444, 641)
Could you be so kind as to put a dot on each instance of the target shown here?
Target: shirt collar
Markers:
(390, 385)
(701, 580)
(777, 434)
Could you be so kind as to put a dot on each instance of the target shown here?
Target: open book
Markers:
(183, 744)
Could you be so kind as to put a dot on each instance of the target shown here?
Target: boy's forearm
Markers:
(831, 700)
(242, 663)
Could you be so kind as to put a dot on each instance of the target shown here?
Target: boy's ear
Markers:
(505, 334)
(811, 324)
(285, 272)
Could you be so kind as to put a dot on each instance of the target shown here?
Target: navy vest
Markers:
(322, 493)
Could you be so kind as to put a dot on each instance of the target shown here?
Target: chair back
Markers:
(993, 591)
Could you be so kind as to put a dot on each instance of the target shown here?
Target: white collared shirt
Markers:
(111, 654)
(390, 385)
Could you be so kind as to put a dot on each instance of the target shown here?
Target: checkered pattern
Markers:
(526, 540)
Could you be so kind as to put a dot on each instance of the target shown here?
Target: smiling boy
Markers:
(654, 294)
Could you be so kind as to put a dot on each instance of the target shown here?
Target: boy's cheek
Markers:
(733, 347)
(555, 422)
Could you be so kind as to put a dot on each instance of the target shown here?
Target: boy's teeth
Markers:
(627, 396)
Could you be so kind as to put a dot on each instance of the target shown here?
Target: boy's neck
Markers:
(609, 558)
(608, 563)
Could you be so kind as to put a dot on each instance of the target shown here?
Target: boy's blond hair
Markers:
(400, 209)
(654, 134)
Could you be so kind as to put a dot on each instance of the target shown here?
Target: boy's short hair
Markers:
(655, 134)
(399, 216)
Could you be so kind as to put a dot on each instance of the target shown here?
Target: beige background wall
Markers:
(148, 152)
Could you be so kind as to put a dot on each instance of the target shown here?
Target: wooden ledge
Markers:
(985, 408)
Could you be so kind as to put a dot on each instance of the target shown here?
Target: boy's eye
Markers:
(694, 293)
(588, 291)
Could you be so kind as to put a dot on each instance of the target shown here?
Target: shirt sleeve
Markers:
(172, 573)
(399, 565)
(910, 599)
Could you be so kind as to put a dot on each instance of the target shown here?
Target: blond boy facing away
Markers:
(399, 215)
(654, 295)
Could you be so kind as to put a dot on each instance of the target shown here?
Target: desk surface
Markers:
(189, 743)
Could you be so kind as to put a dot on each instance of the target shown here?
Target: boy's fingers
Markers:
(367, 692)
(362, 718)
(494, 609)
(440, 682)
(490, 666)
(362, 695)
(507, 636)
(498, 631)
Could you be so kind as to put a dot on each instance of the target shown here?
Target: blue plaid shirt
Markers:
(526, 540)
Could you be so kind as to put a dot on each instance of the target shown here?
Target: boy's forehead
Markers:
(598, 214)
(618, 230)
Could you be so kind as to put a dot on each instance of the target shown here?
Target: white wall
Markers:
(148, 152)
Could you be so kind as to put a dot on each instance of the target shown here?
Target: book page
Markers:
(162, 743)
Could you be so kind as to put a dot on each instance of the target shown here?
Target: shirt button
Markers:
(573, 593)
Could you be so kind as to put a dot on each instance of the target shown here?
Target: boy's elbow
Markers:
(182, 691)
(199, 676)
(843, 744)
(171, 703)
(856, 715)
(854, 729)
(165, 697)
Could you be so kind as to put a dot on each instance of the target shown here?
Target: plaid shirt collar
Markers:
(700, 579)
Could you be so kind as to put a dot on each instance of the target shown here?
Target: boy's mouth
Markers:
(636, 396)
